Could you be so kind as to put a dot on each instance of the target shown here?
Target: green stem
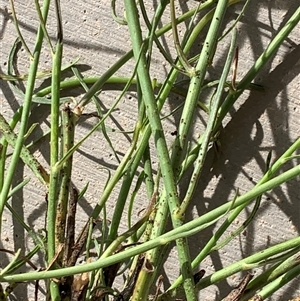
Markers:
(3, 142)
(25, 113)
(244, 83)
(55, 172)
(207, 135)
(161, 216)
(160, 142)
(254, 261)
(291, 259)
(278, 283)
(196, 83)
(185, 230)
(212, 242)
(68, 131)
(25, 155)
(18, 29)
(180, 53)
(259, 63)
(115, 67)
(117, 216)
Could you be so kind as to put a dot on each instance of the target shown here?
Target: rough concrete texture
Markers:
(261, 122)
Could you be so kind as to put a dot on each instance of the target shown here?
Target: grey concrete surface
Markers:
(261, 122)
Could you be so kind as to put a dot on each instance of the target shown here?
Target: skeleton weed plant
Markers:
(142, 246)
